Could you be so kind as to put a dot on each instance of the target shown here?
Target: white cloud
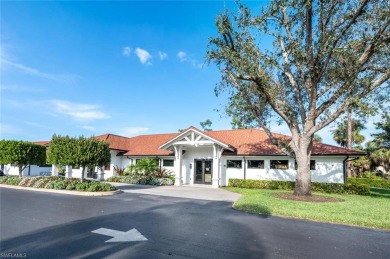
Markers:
(89, 128)
(21, 88)
(130, 131)
(182, 56)
(78, 111)
(126, 51)
(143, 56)
(162, 55)
(35, 72)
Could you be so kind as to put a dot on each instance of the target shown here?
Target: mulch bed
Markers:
(312, 198)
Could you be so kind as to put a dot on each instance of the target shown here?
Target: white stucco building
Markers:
(213, 157)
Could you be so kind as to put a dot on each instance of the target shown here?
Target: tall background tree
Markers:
(382, 138)
(82, 152)
(340, 134)
(206, 125)
(21, 153)
(324, 58)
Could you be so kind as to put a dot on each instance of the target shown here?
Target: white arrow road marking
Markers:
(132, 235)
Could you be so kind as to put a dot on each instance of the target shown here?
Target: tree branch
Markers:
(342, 33)
(344, 107)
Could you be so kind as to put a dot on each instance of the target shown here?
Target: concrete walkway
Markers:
(200, 192)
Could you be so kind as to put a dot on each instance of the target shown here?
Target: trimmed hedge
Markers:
(339, 188)
(131, 179)
(377, 183)
(57, 183)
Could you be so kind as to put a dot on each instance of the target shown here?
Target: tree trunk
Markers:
(82, 173)
(303, 177)
(349, 141)
(20, 170)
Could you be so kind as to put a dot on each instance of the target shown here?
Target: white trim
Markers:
(201, 139)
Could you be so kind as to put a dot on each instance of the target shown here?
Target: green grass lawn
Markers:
(366, 211)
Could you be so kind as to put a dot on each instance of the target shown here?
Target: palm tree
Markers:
(341, 137)
(381, 157)
(317, 138)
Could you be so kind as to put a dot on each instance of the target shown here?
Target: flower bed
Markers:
(57, 183)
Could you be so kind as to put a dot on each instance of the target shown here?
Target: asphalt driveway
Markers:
(49, 225)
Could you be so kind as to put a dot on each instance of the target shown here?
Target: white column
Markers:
(217, 151)
(100, 172)
(54, 170)
(68, 171)
(178, 165)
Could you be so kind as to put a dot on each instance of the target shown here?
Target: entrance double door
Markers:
(203, 171)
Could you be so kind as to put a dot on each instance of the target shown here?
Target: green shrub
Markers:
(13, 180)
(371, 175)
(114, 179)
(50, 185)
(41, 183)
(378, 183)
(59, 185)
(81, 186)
(32, 181)
(24, 181)
(353, 188)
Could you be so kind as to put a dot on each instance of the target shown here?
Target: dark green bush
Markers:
(50, 185)
(82, 186)
(360, 189)
(142, 179)
(378, 183)
(59, 185)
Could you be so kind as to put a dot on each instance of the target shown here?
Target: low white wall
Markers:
(31, 170)
(328, 169)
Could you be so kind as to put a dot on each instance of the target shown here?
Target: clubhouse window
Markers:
(259, 164)
(168, 162)
(234, 164)
(279, 164)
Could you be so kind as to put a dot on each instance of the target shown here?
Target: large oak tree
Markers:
(324, 57)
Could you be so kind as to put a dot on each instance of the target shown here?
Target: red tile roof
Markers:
(149, 145)
(43, 143)
(115, 142)
(256, 142)
(243, 141)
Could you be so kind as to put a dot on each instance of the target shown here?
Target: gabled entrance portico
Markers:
(192, 166)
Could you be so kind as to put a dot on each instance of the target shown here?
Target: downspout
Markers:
(244, 168)
(29, 168)
(345, 169)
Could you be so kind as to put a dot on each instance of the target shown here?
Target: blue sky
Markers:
(124, 67)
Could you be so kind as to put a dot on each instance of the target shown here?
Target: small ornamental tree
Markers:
(21, 153)
(82, 152)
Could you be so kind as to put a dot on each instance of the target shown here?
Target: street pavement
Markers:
(49, 225)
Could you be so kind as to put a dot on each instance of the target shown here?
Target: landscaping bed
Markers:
(56, 183)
